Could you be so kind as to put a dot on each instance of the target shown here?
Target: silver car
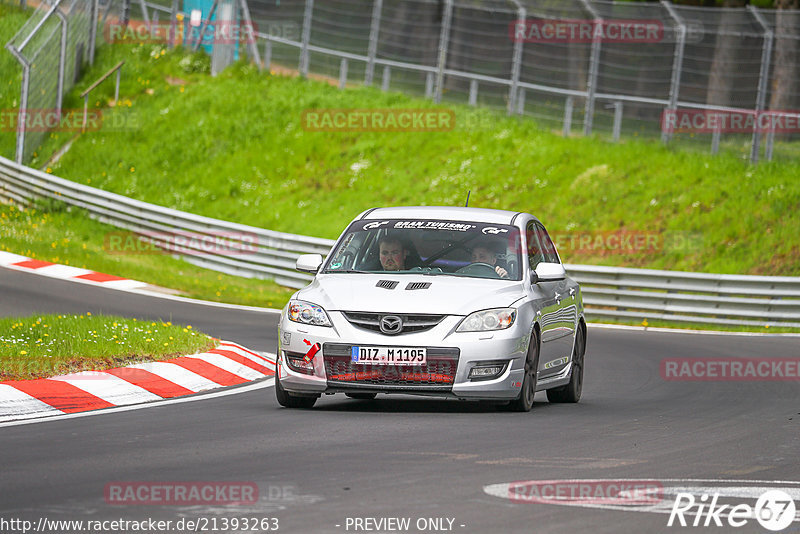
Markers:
(466, 303)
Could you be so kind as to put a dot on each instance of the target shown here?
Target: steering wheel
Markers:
(484, 270)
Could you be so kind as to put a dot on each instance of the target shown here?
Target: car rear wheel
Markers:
(361, 396)
(290, 401)
(572, 391)
(524, 402)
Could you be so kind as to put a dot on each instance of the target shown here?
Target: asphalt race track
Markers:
(349, 466)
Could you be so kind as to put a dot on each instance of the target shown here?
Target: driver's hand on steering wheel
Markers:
(502, 273)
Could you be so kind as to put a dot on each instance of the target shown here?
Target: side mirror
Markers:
(309, 263)
(548, 272)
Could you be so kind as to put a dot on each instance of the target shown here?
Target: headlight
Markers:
(495, 319)
(307, 313)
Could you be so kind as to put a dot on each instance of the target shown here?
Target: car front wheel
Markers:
(287, 400)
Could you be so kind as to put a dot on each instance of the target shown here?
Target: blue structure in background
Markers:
(207, 43)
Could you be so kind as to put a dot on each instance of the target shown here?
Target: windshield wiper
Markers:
(335, 271)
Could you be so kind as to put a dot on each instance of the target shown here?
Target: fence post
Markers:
(617, 120)
(473, 92)
(594, 67)
(93, 30)
(428, 84)
(343, 73)
(567, 117)
(387, 75)
(372, 51)
(62, 63)
(520, 101)
(252, 38)
(306, 38)
(173, 17)
(22, 116)
(267, 54)
(444, 39)
(516, 62)
(766, 54)
(125, 16)
(677, 65)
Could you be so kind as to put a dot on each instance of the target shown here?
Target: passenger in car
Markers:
(484, 253)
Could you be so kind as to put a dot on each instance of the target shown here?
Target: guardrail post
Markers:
(594, 67)
(567, 129)
(343, 73)
(428, 85)
(766, 54)
(372, 50)
(306, 38)
(444, 40)
(677, 65)
(516, 62)
(473, 92)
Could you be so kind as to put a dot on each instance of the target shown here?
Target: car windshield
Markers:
(432, 247)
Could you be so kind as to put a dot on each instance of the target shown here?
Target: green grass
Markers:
(48, 345)
(232, 147)
(72, 238)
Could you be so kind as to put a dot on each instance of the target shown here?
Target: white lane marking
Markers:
(178, 375)
(211, 395)
(682, 331)
(62, 271)
(109, 388)
(226, 364)
(17, 404)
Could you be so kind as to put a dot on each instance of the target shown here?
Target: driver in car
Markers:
(483, 253)
(392, 254)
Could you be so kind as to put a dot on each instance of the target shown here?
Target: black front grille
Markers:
(411, 322)
(438, 373)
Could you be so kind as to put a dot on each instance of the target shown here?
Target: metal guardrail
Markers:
(608, 292)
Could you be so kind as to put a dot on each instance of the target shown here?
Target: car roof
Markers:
(442, 213)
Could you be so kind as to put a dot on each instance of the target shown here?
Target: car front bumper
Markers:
(451, 356)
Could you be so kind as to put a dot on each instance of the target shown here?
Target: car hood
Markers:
(451, 295)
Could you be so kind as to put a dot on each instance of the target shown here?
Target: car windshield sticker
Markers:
(434, 225)
(337, 265)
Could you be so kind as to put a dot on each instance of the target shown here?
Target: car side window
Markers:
(535, 252)
(549, 249)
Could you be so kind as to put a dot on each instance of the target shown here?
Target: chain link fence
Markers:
(51, 47)
(730, 74)
(717, 78)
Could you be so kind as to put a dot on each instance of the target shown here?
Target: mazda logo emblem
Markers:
(391, 324)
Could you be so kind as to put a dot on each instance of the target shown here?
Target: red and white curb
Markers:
(227, 365)
(66, 272)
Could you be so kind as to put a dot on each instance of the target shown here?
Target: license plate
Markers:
(388, 355)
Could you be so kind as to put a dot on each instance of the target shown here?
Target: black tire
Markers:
(524, 402)
(289, 401)
(361, 396)
(572, 391)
